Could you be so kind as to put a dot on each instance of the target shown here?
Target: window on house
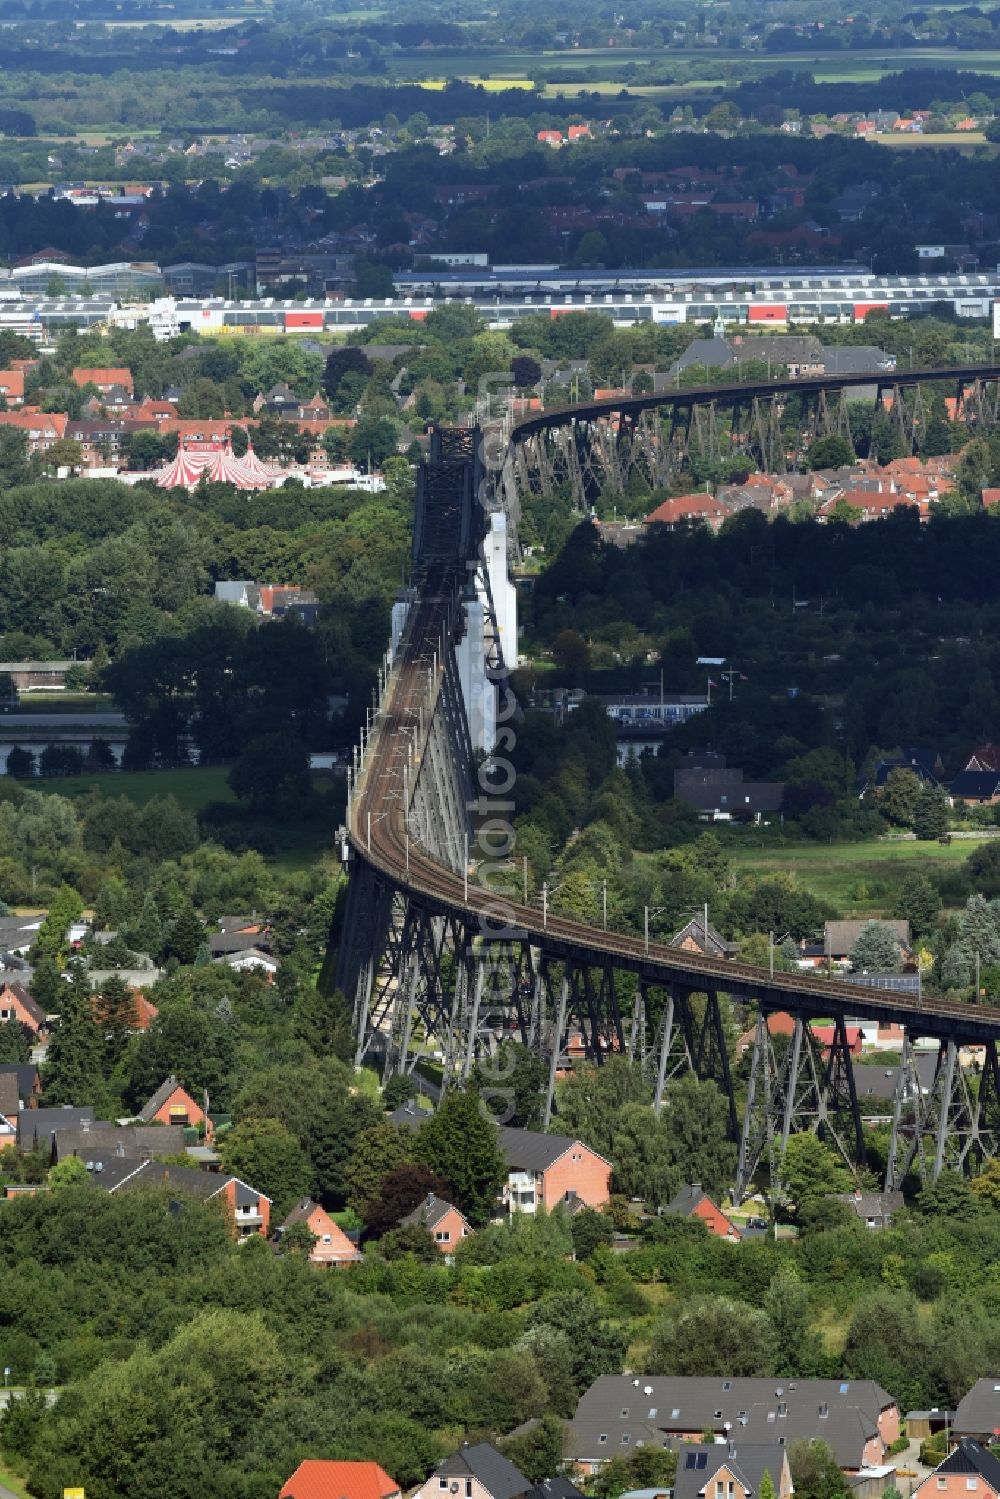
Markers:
(625, 1414)
(970, 1483)
(720, 1489)
(442, 1236)
(652, 1412)
(689, 1461)
(782, 1409)
(727, 1384)
(603, 1437)
(675, 1412)
(328, 1238)
(824, 1411)
(702, 1461)
(942, 1483)
(625, 1439)
(442, 1483)
(468, 1488)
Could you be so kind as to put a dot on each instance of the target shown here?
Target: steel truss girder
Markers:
(807, 1091)
(952, 1126)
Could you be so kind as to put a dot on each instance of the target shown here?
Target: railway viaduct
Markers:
(441, 952)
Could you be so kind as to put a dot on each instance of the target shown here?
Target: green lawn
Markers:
(194, 786)
(9, 1480)
(858, 878)
(289, 846)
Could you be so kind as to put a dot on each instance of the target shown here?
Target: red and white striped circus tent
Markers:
(217, 464)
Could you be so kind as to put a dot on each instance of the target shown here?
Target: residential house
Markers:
(250, 960)
(875, 1209)
(926, 765)
(29, 1082)
(106, 380)
(696, 936)
(839, 937)
(687, 508)
(42, 428)
(984, 757)
(555, 1488)
(332, 1246)
(478, 1471)
(544, 1170)
(857, 1418)
(12, 388)
(441, 1219)
(10, 1109)
(976, 788)
(17, 1004)
(172, 1104)
(826, 1037)
(36, 1127)
(723, 794)
(101, 440)
(877, 1085)
(978, 1411)
(318, 1478)
(237, 938)
(249, 1211)
(137, 1142)
(733, 1469)
(969, 1469)
(693, 1202)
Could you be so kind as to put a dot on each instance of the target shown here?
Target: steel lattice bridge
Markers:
(443, 957)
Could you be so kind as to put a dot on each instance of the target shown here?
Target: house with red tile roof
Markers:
(12, 387)
(106, 380)
(689, 507)
(43, 428)
(318, 1478)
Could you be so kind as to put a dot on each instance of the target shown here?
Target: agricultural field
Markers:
(860, 879)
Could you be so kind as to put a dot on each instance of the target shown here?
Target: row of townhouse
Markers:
(867, 491)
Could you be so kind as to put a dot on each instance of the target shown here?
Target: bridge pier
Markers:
(804, 1092)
